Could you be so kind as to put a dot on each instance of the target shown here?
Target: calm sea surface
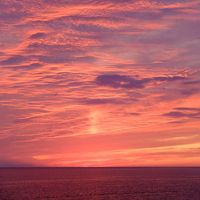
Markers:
(100, 183)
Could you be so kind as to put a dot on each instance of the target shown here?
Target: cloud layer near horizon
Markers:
(99, 83)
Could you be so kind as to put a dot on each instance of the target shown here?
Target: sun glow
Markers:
(94, 122)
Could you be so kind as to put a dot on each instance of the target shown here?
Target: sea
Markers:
(106, 183)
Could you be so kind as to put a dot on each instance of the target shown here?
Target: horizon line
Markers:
(99, 167)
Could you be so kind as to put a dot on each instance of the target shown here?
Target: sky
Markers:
(99, 83)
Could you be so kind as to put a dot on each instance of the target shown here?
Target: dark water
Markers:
(100, 183)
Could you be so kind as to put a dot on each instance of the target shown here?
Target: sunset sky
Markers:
(100, 83)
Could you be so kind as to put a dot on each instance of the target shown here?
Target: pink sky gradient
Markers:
(100, 83)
